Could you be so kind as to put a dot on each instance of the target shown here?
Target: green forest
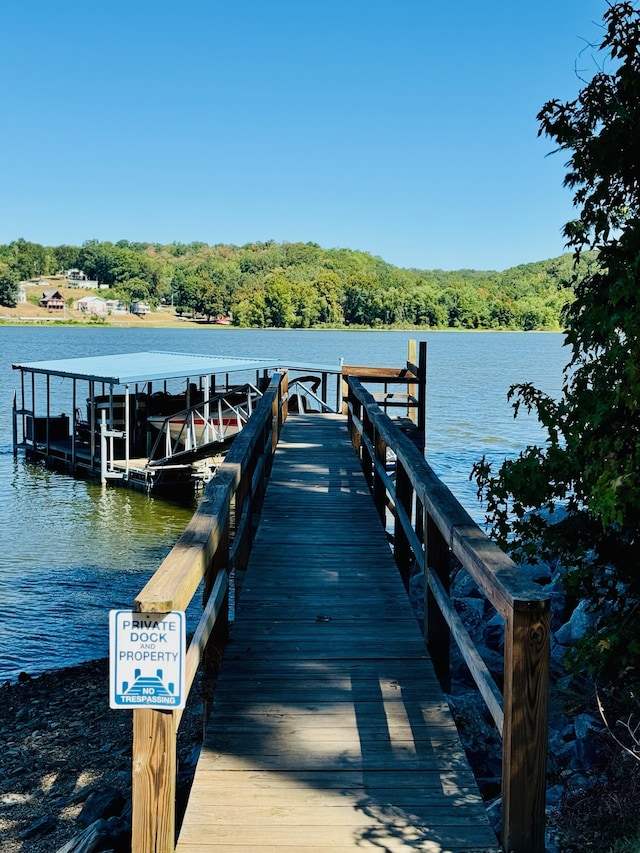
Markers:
(302, 285)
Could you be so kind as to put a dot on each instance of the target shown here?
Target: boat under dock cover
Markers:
(126, 432)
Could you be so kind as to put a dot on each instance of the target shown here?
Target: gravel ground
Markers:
(60, 741)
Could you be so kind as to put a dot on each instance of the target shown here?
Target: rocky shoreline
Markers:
(65, 775)
(593, 786)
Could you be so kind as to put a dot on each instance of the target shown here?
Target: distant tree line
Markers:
(301, 285)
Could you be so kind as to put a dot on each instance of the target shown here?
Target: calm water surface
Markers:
(71, 550)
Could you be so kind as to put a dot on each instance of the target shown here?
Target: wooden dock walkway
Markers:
(329, 731)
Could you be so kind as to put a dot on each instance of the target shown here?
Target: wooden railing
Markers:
(217, 540)
(429, 526)
(403, 388)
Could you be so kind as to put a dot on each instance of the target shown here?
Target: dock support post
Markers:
(127, 432)
(48, 416)
(103, 448)
(92, 423)
(15, 425)
(74, 425)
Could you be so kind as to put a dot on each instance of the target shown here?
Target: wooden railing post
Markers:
(412, 390)
(524, 737)
(243, 507)
(284, 399)
(153, 817)
(379, 487)
(437, 633)
(422, 393)
(220, 633)
(354, 410)
(365, 455)
(401, 547)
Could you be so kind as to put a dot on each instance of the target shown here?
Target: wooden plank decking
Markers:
(329, 731)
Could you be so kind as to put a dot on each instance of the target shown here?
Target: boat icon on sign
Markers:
(147, 685)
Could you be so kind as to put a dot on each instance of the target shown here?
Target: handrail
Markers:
(429, 526)
(302, 389)
(216, 542)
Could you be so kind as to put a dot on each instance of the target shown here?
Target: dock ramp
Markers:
(329, 731)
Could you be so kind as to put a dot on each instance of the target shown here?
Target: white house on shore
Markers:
(95, 305)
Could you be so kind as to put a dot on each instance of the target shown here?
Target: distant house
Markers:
(140, 308)
(52, 300)
(115, 306)
(92, 305)
(75, 275)
(78, 278)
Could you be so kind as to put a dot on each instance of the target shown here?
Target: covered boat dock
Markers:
(152, 419)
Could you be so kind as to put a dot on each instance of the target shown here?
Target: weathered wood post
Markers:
(524, 737)
(437, 633)
(220, 634)
(379, 486)
(242, 520)
(284, 396)
(354, 410)
(279, 413)
(401, 547)
(365, 454)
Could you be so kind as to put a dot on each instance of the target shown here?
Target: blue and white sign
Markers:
(147, 659)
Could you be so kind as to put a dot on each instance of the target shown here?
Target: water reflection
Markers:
(74, 550)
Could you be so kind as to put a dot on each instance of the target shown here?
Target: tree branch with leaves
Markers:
(590, 464)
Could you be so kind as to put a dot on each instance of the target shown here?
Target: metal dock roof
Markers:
(129, 368)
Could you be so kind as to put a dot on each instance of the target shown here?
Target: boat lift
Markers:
(196, 429)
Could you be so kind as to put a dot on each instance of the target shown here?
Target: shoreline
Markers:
(61, 742)
(202, 324)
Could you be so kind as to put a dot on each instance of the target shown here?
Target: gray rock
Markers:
(38, 829)
(494, 633)
(494, 813)
(557, 655)
(100, 837)
(104, 803)
(558, 597)
(538, 571)
(577, 626)
(583, 724)
(464, 586)
(471, 611)
(554, 795)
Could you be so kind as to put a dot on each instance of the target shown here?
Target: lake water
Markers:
(72, 550)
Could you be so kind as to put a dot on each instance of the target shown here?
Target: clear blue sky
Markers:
(404, 128)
